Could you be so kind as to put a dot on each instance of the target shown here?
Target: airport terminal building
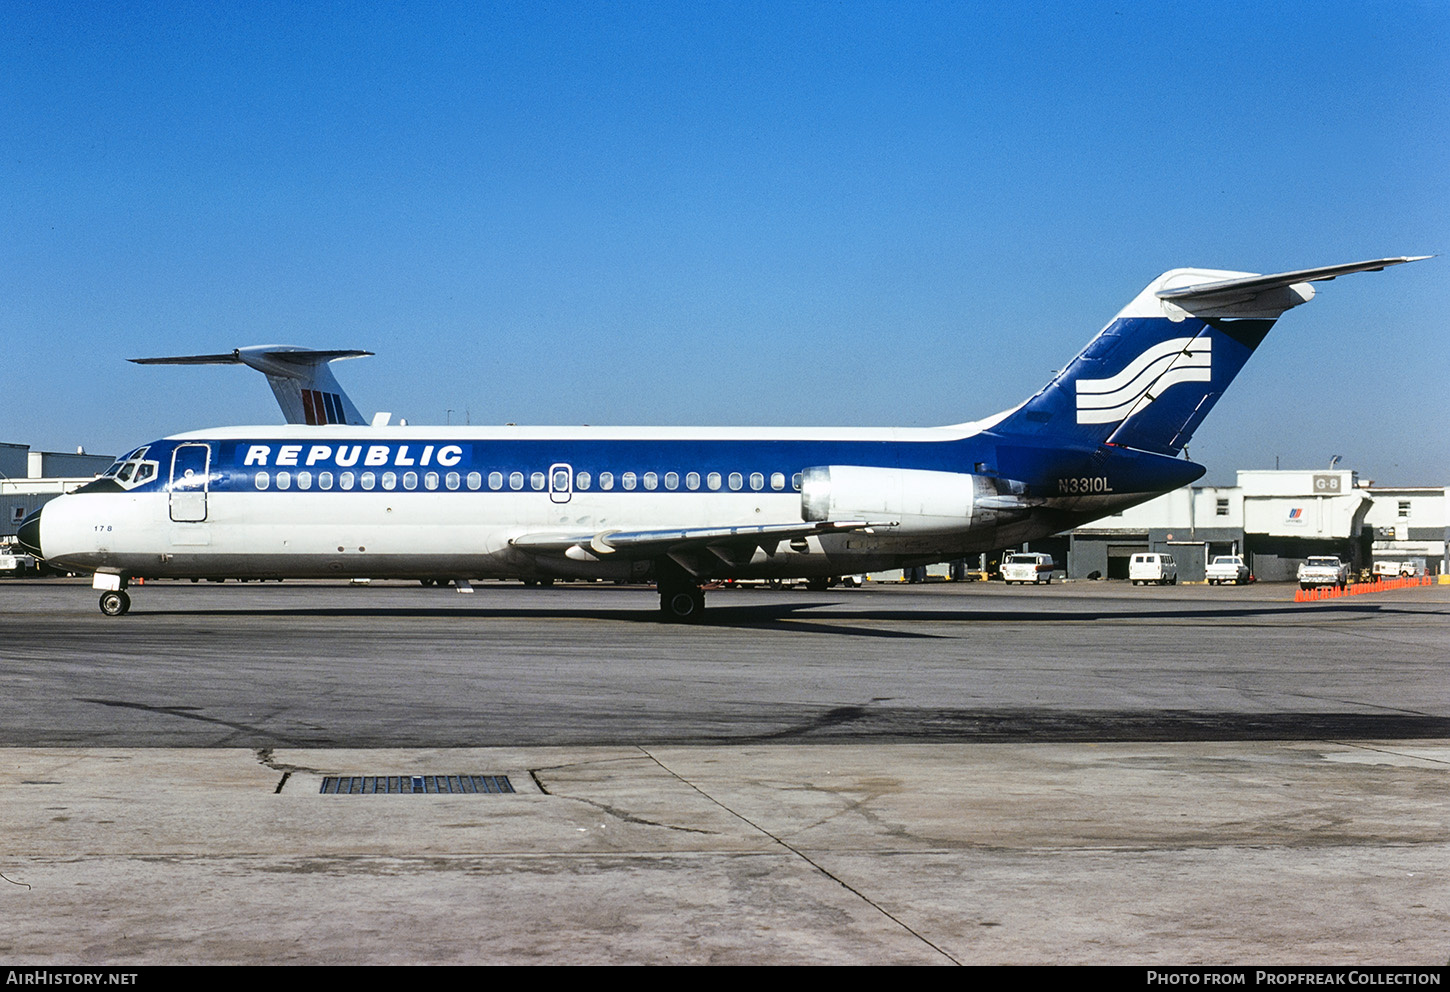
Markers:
(1275, 519)
(29, 479)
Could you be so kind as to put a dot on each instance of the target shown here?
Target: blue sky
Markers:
(728, 213)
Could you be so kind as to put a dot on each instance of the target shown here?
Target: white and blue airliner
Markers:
(331, 495)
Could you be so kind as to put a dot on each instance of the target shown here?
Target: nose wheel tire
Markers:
(115, 604)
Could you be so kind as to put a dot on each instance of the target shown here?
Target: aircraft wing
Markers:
(725, 543)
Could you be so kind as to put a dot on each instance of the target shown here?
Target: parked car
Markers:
(1027, 566)
(1160, 569)
(1226, 568)
(1323, 570)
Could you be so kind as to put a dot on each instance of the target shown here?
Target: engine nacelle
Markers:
(920, 501)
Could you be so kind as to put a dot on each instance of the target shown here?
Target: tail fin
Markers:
(1150, 377)
(305, 387)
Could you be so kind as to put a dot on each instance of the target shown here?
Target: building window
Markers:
(1404, 508)
(1221, 508)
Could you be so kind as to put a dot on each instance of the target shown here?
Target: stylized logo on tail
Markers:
(1166, 364)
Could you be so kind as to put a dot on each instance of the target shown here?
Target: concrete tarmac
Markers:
(1085, 773)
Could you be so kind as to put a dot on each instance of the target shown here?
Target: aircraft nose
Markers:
(28, 536)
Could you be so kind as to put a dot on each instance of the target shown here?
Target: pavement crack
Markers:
(804, 857)
(185, 713)
(621, 815)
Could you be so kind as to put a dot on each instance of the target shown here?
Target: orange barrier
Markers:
(1360, 588)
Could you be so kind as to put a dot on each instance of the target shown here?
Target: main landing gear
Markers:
(681, 598)
(683, 604)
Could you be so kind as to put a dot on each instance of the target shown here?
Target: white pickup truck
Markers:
(1226, 568)
(1323, 570)
(16, 562)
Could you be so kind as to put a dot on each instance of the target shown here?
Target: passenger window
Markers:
(368, 480)
(324, 480)
(390, 480)
(304, 480)
(651, 481)
(537, 481)
(627, 480)
(757, 481)
(495, 480)
(672, 480)
(713, 480)
(795, 482)
(736, 481)
(561, 481)
(451, 480)
(581, 480)
(345, 480)
(263, 480)
(430, 480)
(692, 481)
(410, 480)
(475, 480)
(606, 480)
(284, 480)
(516, 481)
(777, 480)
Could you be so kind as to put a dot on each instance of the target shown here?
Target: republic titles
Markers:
(351, 455)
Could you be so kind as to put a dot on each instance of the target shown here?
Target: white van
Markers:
(1156, 568)
(1027, 566)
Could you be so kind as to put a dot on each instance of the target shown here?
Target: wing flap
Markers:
(651, 543)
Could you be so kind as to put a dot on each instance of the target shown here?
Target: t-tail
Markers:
(305, 387)
(1150, 377)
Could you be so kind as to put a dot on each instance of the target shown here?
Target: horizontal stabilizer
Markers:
(1264, 296)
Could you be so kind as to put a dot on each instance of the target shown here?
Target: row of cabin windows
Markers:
(537, 481)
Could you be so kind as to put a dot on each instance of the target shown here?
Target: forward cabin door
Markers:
(190, 471)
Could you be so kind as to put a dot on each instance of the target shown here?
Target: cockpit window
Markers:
(133, 470)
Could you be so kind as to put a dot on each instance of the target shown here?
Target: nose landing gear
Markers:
(114, 600)
(115, 603)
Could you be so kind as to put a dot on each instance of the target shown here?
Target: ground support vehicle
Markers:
(1323, 570)
(1226, 568)
(1027, 566)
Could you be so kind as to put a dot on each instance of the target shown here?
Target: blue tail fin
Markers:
(1151, 376)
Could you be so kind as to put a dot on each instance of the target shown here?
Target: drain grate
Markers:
(382, 785)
